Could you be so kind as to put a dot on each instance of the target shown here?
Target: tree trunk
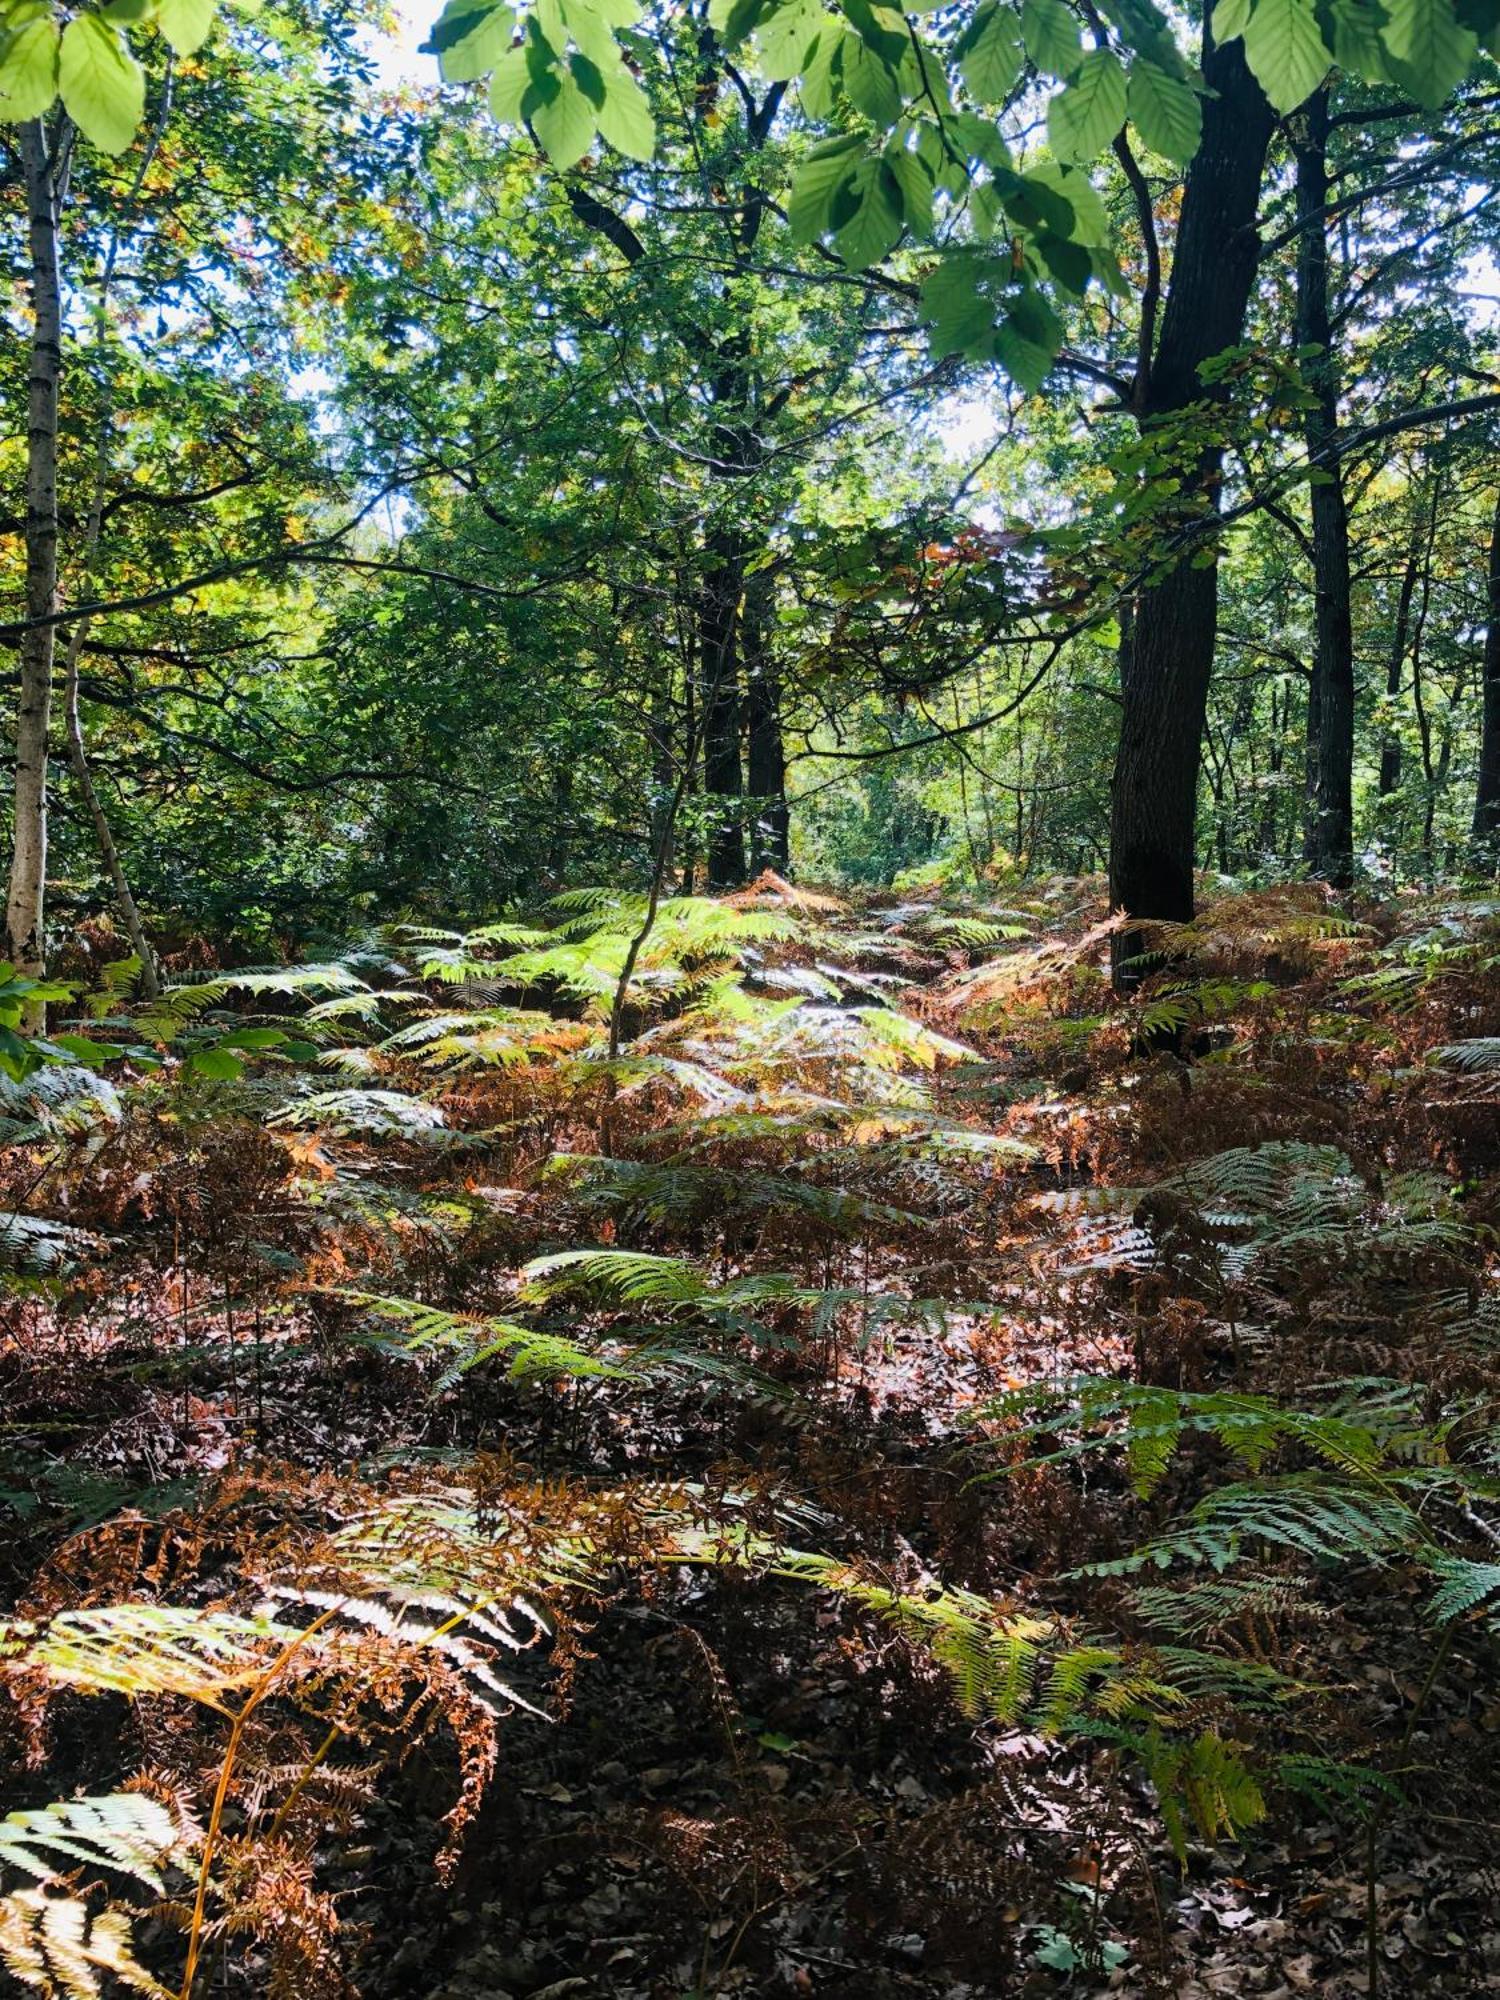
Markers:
(1390, 749)
(1331, 833)
(1485, 833)
(765, 754)
(26, 899)
(723, 781)
(1312, 737)
(1165, 676)
(109, 853)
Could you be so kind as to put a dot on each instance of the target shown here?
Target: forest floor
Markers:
(868, 1192)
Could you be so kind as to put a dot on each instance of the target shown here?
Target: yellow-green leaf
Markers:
(624, 118)
(185, 23)
(103, 89)
(565, 122)
(28, 67)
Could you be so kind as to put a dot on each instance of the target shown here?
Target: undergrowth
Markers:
(378, 1341)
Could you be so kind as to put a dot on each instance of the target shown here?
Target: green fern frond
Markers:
(1335, 1786)
(1305, 1513)
(1481, 1053)
(144, 1649)
(126, 1831)
(1462, 1587)
(384, 1113)
(531, 1354)
(34, 1243)
(631, 1276)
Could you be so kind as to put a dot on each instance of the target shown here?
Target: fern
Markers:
(1462, 1587)
(126, 1831)
(470, 1341)
(381, 1113)
(59, 1948)
(33, 1243)
(1304, 1513)
(144, 1649)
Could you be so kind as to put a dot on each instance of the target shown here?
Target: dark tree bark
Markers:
(1330, 845)
(1390, 749)
(1486, 828)
(1312, 736)
(719, 694)
(1165, 676)
(765, 754)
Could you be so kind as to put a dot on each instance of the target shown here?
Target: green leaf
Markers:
(1165, 111)
(1056, 1951)
(876, 223)
(1086, 221)
(1230, 18)
(1434, 51)
(978, 138)
(18, 1056)
(784, 42)
(1358, 46)
(254, 1038)
(915, 185)
(220, 1065)
(1051, 36)
(955, 304)
(1284, 48)
(733, 20)
(868, 84)
(186, 23)
(624, 117)
(985, 209)
(509, 85)
(1034, 201)
(103, 88)
(1027, 340)
(820, 176)
(565, 122)
(1089, 110)
(990, 54)
(470, 38)
(592, 33)
(1070, 263)
(815, 84)
(28, 65)
(83, 1050)
(881, 28)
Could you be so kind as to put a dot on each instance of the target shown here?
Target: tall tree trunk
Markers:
(1485, 833)
(1418, 692)
(1165, 676)
(1390, 749)
(25, 909)
(723, 779)
(1312, 738)
(78, 756)
(770, 832)
(1331, 833)
(109, 853)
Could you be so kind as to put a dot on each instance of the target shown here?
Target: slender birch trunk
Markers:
(25, 909)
